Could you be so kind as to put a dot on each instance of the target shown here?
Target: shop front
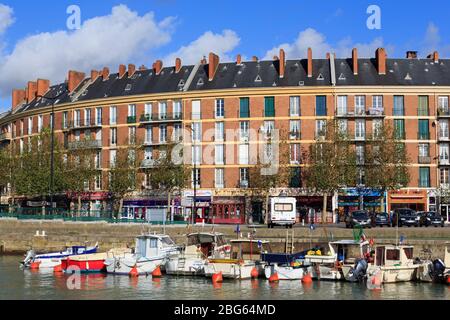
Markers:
(352, 199)
(93, 204)
(227, 210)
(203, 199)
(413, 199)
(152, 209)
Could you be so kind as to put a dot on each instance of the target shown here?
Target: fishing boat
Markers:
(51, 260)
(151, 251)
(244, 260)
(200, 246)
(90, 263)
(395, 263)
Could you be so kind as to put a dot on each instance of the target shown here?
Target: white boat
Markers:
(51, 260)
(284, 272)
(394, 263)
(244, 257)
(200, 246)
(151, 252)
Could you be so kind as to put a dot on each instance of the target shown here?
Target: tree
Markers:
(331, 163)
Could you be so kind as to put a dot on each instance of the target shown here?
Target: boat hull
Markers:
(284, 273)
(190, 267)
(397, 273)
(84, 266)
(124, 265)
(238, 271)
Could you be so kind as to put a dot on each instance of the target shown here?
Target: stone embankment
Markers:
(16, 237)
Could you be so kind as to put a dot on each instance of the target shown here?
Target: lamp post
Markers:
(194, 204)
(52, 146)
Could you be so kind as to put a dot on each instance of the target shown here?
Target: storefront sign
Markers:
(198, 193)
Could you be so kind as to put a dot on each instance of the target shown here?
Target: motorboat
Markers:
(285, 266)
(152, 251)
(394, 263)
(200, 246)
(243, 262)
(90, 263)
(51, 260)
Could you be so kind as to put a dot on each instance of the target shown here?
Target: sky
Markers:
(37, 39)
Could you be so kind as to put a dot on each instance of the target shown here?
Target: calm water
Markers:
(25, 284)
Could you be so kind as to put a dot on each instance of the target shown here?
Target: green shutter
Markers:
(244, 110)
(399, 109)
(269, 107)
(399, 127)
(423, 106)
(321, 105)
(424, 132)
(424, 177)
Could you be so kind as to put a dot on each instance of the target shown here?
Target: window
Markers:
(113, 115)
(219, 131)
(132, 110)
(21, 146)
(163, 133)
(444, 153)
(423, 106)
(443, 105)
(65, 119)
(359, 155)
(269, 127)
(98, 134)
(87, 134)
(113, 136)
(148, 134)
(148, 109)
(196, 110)
(243, 154)
(321, 105)
(219, 178)
(177, 132)
(295, 153)
(295, 178)
(321, 128)
(98, 160)
(30, 125)
(243, 132)
(443, 129)
(220, 109)
(294, 106)
(148, 153)
(294, 129)
(424, 133)
(342, 105)
(177, 109)
(162, 110)
(392, 254)
(98, 116)
(360, 105)
(77, 118)
(87, 117)
(21, 127)
(243, 177)
(244, 108)
(196, 131)
(444, 180)
(112, 158)
(196, 178)
(343, 126)
(399, 108)
(424, 177)
(424, 150)
(196, 154)
(360, 129)
(269, 107)
(377, 102)
(98, 182)
(399, 128)
(132, 135)
(377, 127)
(219, 155)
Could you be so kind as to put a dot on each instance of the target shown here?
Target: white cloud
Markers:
(120, 37)
(6, 18)
(317, 41)
(433, 42)
(221, 44)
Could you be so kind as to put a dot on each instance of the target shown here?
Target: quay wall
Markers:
(16, 237)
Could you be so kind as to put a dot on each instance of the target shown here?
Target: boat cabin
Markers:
(389, 256)
(245, 249)
(206, 241)
(348, 251)
(154, 245)
(76, 250)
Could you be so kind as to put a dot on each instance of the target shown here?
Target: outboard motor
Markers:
(359, 271)
(437, 270)
(29, 257)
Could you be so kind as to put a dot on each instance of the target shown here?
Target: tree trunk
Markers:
(267, 209)
(169, 207)
(324, 210)
(119, 214)
(79, 206)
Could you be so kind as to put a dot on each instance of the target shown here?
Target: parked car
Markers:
(431, 218)
(360, 217)
(404, 217)
(381, 219)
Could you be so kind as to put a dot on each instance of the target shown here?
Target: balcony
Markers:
(243, 184)
(295, 135)
(131, 119)
(444, 161)
(371, 113)
(85, 144)
(424, 160)
(148, 143)
(82, 124)
(167, 117)
(6, 136)
(443, 113)
(444, 136)
(148, 163)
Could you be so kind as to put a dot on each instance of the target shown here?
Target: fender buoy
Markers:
(217, 277)
(274, 278)
(254, 273)
(134, 272)
(307, 278)
(448, 280)
(157, 273)
(57, 269)
(34, 265)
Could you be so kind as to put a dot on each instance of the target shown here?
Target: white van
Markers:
(282, 211)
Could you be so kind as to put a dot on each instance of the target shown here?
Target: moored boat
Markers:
(286, 266)
(90, 262)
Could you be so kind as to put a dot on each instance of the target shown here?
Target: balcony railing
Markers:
(131, 119)
(81, 124)
(295, 135)
(85, 144)
(444, 137)
(6, 136)
(161, 117)
(243, 183)
(148, 163)
(443, 112)
(371, 113)
(423, 135)
(424, 159)
(444, 161)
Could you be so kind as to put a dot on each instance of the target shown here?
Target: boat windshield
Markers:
(166, 241)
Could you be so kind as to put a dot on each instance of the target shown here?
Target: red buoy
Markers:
(217, 277)
(57, 269)
(448, 280)
(134, 272)
(274, 278)
(34, 265)
(157, 273)
(307, 278)
(254, 273)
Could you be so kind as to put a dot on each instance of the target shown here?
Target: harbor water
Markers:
(16, 283)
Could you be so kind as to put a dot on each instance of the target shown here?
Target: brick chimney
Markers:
(75, 79)
(31, 91)
(177, 65)
(42, 87)
(282, 63)
(328, 56)
(157, 67)
(411, 54)
(381, 61)
(213, 65)
(105, 73)
(94, 75)
(203, 61)
(122, 70)
(310, 63)
(238, 59)
(18, 96)
(434, 56)
(355, 61)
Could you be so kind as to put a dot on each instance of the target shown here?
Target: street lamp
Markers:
(194, 204)
(52, 160)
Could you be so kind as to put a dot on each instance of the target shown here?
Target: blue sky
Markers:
(35, 42)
